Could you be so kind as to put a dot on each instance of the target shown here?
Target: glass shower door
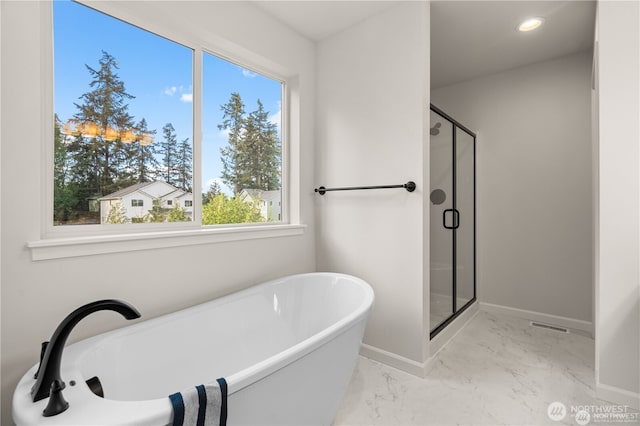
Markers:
(464, 230)
(452, 223)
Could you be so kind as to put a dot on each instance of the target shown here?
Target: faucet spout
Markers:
(49, 370)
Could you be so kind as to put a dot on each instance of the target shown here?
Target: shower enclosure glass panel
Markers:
(441, 197)
(452, 224)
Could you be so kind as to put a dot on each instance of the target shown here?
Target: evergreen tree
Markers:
(262, 150)
(141, 164)
(251, 158)
(64, 192)
(233, 120)
(105, 107)
(214, 189)
(169, 159)
(83, 171)
(184, 172)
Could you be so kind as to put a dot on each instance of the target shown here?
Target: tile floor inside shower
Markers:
(497, 370)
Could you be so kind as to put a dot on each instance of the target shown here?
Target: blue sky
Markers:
(158, 72)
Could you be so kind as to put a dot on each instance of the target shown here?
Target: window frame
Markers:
(70, 241)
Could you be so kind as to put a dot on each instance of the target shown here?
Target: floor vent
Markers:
(549, 327)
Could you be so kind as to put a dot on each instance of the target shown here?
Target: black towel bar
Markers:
(409, 186)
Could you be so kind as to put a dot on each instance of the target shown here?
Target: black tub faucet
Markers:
(49, 369)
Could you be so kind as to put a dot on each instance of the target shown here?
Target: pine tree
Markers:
(214, 189)
(84, 170)
(105, 106)
(167, 149)
(263, 150)
(251, 158)
(65, 196)
(184, 172)
(231, 155)
(141, 164)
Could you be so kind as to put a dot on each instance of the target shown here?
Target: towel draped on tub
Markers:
(203, 405)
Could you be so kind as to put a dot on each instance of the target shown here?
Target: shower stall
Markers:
(453, 219)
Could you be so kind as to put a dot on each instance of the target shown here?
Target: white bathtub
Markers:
(287, 349)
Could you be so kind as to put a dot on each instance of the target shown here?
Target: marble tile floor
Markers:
(497, 371)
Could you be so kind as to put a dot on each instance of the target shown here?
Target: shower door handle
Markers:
(444, 219)
(456, 218)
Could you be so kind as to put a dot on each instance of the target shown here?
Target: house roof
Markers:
(271, 195)
(253, 192)
(184, 194)
(175, 192)
(138, 187)
(263, 195)
(125, 191)
(140, 191)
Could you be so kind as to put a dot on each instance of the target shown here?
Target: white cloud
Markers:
(276, 118)
(186, 97)
(225, 132)
(170, 91)
(248, 74)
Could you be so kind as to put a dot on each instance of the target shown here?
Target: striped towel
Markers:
(204, 405)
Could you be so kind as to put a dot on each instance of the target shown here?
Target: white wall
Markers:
(37, 295)
(618, 250)
(534, 189)
(372, 112)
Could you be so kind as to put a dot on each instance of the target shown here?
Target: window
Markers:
(124, 114)
(241, 147)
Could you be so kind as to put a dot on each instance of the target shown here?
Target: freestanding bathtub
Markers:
(286, 347)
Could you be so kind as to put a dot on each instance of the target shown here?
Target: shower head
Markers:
(435, 130)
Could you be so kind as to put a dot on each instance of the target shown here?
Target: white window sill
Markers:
(58, 248)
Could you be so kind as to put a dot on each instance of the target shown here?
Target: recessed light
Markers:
(530, 24)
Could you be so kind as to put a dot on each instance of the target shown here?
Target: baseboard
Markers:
(452, 329)
(421, 369)
(618, 396)
(575, 324)
(394, 360)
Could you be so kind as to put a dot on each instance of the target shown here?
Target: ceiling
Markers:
(317, 20)
(475, 38)
(468, 38)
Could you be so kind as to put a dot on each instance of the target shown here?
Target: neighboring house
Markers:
(137, 199)
(269, 202)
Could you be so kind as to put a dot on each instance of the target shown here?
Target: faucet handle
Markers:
(43, 350)
(57, 404)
